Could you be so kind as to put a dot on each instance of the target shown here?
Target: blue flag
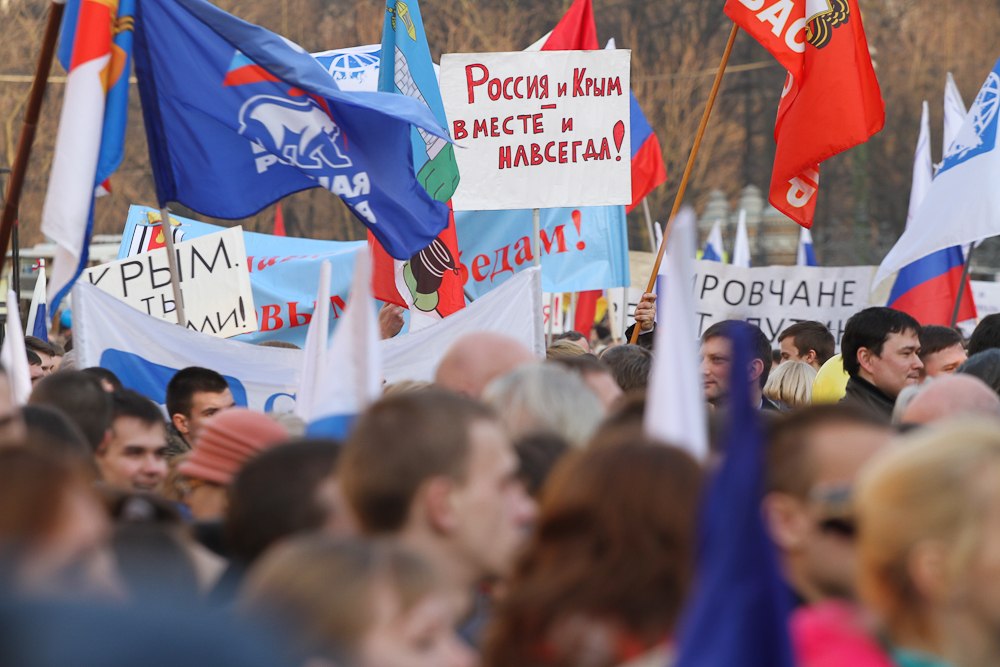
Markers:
(738, 614)
(237, 118)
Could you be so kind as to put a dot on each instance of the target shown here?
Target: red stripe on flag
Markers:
(933, 301)
(576, 30)
(648, 170)
(247, 74)
(92, 37)
(586, 309)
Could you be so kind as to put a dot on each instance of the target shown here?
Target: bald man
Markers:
(476, 359)
(951, 396)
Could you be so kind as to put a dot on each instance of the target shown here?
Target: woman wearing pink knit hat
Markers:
(226, 442)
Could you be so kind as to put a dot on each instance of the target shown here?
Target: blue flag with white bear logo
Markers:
(238, 117)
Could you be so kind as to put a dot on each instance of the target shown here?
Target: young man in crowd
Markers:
(437, 471)
(194, 395)
(810, 342)
(813, 458)
(46, 354)
(717, 358)
(134, 458)
(81, 398)
(941, 350)
(881, 352)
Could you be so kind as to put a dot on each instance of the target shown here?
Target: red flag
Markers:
(576, 30)
(831, 99)
(586, 309)
(279, 221)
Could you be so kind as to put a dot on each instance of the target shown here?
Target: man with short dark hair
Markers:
(986, 335)
(134, 458)
(194, 394)
(45, 351)
(35, 371)
(630, 365)
(941, 350)
(81, 398)
(717, 359)
(813, 457)
(437, 470)
(881, 352)
(810, 342)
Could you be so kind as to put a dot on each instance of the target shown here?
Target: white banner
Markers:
(145, 352)
(215, 284)
(513, 309)
(539, 129)
(986, 294)
(775, 297)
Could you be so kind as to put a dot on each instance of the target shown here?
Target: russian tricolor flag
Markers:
(928, 287)
(713, 251)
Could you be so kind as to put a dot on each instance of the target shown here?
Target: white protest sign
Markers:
(539, 129)
(775, 297)
(986, 294)
(215, 283)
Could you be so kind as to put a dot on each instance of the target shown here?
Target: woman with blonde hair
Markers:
(355, 604)
(929, 544)
(790, 384)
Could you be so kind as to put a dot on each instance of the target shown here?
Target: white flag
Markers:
(351, 375)
(675, 408)
(13, 354)
(741, 250)
(314, 353)
(963, 203)
(954, 112)
(923, 168)
(714, 252)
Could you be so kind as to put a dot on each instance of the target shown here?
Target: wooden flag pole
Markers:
(33, 110)
(961, 285)
(168, 240)
(651, 284)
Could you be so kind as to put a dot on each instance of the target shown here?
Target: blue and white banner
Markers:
(582, 249)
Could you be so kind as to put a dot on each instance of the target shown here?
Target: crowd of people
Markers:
(513, 513)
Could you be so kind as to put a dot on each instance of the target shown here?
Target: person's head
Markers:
(81, 398)
(537, 455)
(53, 529)
(986, 335)
(476, 359)
(225, 444)
(790, 384)
(35, 371)
(279, 493)
(134, 457)
(984, 365)
(11, 422)
(366, 603)
(929, 540)
(950, 396)
(717, 359)
(596, 375)
(813, 458)
(810, 342)
(941, 350)
(611, 558)
(882, 346)
(108, 380)
(45, 351)
(576, 338)
(50, 431)
(545, 398)
(195, 395)
(439, 470)
(562, 349)
(629, 364)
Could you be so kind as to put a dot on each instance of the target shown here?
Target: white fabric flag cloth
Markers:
(805, 255)
(308, 398)
(714, 251)
(513, 309)
(38, 307)
(351, 375)
(13, 354)
(741, 250)
(923, 167)
(675, 408)
(954, 112)
(145, 352)
(963, 203)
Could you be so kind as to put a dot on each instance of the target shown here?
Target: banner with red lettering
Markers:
(539, 129)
